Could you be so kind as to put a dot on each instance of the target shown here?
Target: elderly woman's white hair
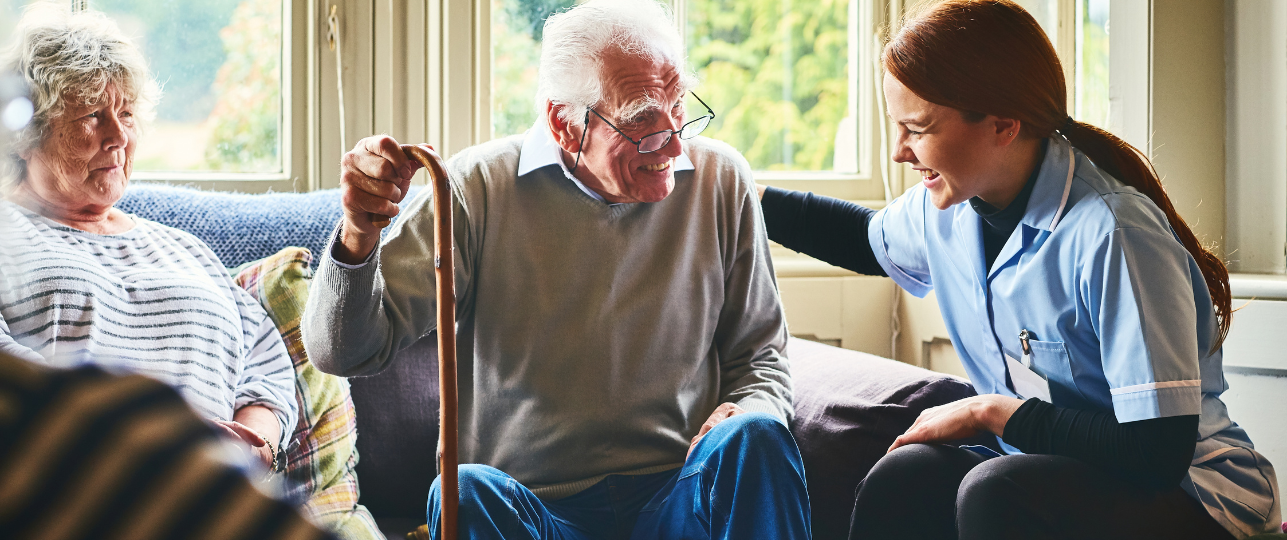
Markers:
(575, 42)
(66, 59)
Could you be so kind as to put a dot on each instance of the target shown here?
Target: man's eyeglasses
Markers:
(655, 141)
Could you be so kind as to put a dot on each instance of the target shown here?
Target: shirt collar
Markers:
(540, 150)
(1049, 189)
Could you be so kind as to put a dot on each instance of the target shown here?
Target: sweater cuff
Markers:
(348, 284)
(330, 252)
(754, 404)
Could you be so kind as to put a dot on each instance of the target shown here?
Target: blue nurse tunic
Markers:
(1117, 314)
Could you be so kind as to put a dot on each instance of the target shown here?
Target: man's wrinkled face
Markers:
(640, 97)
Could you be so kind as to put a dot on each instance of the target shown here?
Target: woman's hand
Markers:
(249, 437)
(960, 419)
(254, 426)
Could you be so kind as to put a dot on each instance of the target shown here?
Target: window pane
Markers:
(10, 11)
(1046, 12)
(516, 55)
(219, 66)
(1092, 62)
(777, 74)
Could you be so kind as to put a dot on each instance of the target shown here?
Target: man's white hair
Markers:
(577, 40)
(67, 59)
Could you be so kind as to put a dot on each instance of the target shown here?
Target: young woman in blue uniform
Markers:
(1084, 310)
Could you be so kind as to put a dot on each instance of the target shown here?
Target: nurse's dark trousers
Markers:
(938, 491)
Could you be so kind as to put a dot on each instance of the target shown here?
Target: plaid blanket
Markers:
(321, 459)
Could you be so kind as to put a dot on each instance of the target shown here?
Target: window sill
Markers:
(1258, 286)
(829, 176)
(240, 183)
(787, 264)
(152, 176)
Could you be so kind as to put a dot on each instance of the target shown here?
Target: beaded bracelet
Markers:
(272, 467)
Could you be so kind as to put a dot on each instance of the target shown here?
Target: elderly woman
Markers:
(80, 279)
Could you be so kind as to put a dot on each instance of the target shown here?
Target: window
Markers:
(1085, 56)
(780, 78)
(10, 10)
(219, 63)
(1092, 62)
(515, 55)
(1046, 12)
(226, 69)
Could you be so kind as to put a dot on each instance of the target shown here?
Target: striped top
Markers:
(152, 300)
(84, 454)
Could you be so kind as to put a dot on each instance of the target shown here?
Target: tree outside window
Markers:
(219, 65)
(776, 72)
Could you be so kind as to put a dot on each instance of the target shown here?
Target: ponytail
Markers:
(1126, 163)
(991, 57)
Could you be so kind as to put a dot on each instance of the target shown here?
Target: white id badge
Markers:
(1027, 383)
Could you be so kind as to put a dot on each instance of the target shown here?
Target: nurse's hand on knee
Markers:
(960, 419)
(722, 413)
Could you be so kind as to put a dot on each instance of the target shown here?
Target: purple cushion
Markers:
(849, 407)
(397, 419)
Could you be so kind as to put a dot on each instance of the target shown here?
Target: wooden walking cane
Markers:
(443, 262)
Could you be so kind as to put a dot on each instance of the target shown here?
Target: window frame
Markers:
(292, 138)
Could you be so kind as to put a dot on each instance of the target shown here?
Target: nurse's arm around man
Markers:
(1084, 309)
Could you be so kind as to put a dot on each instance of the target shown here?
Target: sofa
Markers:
(849, 405)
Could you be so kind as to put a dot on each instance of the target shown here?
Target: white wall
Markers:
(1187, 94)
(1256, 131)
(1255, 360)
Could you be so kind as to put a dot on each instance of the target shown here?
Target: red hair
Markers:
(990, 57)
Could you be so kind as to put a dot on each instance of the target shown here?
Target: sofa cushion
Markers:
(322, 452)
(849, 407)
(397, 413)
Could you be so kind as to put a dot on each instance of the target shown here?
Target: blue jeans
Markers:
(744, 479)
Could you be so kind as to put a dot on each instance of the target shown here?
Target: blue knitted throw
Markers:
(239, 227)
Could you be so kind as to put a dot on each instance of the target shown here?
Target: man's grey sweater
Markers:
(592, 339)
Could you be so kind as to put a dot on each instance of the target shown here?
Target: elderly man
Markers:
(620, 333)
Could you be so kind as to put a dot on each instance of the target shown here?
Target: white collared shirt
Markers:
(541, 150)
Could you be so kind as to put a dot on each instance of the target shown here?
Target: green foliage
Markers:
(1092, 65)
(180, 39)
(219, 65)
(516, 55)
(528, 16)
(517, 27)
(776, 74)
(774, 71)
(246, 118)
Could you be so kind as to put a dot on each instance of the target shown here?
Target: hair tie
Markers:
(1068, 124)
